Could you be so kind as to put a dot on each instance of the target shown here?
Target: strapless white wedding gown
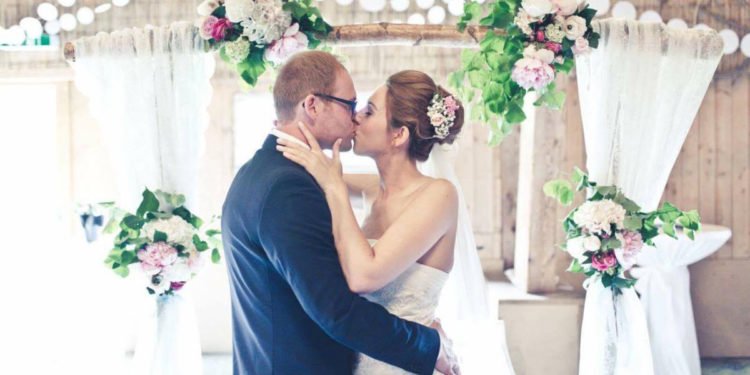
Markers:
(413, 296)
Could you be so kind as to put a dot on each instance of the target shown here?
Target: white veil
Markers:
(478, 337)
(464, 296)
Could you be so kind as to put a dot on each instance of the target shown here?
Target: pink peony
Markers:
(219, 29)
(554, 47)
(532, 73)
(604, 261)
(581, 46)
(292, 41)
(631, 245)
(158, 254)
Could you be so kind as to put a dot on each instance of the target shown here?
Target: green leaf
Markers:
(478, 78)
(199, 244)
(132, 222)
(122, 271)
(212, 232)
(633, 223)
(149, 203)
(551, 98)
(215, 256)
(560, 190)
(626, 203)
(472, 11)
(160, 236)
(575, 266)
(611, 243)
(515, 114)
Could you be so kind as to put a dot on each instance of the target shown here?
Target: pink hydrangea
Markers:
(604, 261)
(292, 41)
(532, 73)
(157, 256)
(207, 27)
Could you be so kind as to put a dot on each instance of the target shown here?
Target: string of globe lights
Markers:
(435, 12)
(50, 20)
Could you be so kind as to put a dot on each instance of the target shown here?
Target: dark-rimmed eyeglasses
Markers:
(351, 104)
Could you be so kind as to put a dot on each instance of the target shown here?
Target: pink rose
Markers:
(554, 47)
(157, 255)
(581, 46)
(631, 245)
(292, 41)
(532, 73)
(604, 261)
(540, 36)
(450, 104)
(219, 29)
(207, 27)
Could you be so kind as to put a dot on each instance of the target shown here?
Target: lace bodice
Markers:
(413, 296)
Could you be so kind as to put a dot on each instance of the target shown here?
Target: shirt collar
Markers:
(280, 134)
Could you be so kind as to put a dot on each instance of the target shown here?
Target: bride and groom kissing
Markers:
(313, 292)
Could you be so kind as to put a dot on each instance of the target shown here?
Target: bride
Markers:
(402, 255)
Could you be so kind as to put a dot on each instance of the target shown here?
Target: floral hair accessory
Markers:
(442, 114)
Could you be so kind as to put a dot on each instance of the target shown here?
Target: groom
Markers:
(292, 311)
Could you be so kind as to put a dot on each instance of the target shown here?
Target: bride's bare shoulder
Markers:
(440, 190)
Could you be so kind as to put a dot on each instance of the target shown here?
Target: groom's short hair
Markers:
(303, 74)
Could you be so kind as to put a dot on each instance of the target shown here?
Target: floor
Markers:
(221, 364)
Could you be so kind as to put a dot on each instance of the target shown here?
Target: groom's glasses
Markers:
(351, 104)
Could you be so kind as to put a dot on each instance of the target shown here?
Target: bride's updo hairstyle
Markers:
(414, 100)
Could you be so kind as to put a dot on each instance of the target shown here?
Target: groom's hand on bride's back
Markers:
(447, 363)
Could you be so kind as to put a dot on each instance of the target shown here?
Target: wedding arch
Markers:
(520, 49)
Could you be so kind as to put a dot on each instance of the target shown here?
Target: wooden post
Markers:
(536, 263)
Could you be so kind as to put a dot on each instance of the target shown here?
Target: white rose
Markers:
(545, 55)
(574, 27)
(592, 243)
(207, 7)
(537, 8)
(566, 7)
(575, 247)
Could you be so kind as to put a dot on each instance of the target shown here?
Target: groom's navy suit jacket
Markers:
(292, 311)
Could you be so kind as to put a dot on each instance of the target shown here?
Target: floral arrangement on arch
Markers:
(528, 43)
(163, 240)
(250, 34)
(606, 233)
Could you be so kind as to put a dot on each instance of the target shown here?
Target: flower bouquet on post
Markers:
(163, 240)
(249, 34)
(606, 233)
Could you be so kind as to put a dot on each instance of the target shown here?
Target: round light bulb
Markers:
(66, 3)
(416, 19)
(745, 45)
(601, 6)
(677, 23)
(15, 36)
(372, 5)
(436, 15)
(650, 16)
(624, 9)
(32, 27)
(344, 2)
(731, 41)
(47, 11)
(103, 8)
(68, 22)
(52, 27)
(400, 5)
(425, 4)
(120, 3)
(85, 15)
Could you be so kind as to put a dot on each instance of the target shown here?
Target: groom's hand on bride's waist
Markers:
(447, 363)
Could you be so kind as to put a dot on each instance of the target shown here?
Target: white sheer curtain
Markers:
(149, 90)
(639, 91)
(478, 337)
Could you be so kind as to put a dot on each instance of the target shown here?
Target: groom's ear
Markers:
(311, 106)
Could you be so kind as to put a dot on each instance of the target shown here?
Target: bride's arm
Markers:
(422, 223)
(361, 183)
